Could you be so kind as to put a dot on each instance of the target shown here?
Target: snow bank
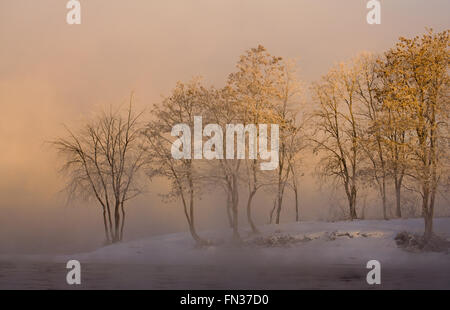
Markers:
(313, 243)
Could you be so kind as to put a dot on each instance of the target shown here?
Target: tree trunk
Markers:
(116, 224)
(249, 213)
(353, 215)
(195, 236)
(280, 201)
(398, 209)
(105, 223)
(297, 218)
(110, 223)
(428, 226)
(383, 198)
(235, 201)
(192, 229)
(228, 209)
(352, 204)
(190, 213)
(236, 235)
(427, 212)
(272, 211)
(123, 221)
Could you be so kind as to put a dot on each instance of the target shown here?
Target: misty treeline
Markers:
(376, 122)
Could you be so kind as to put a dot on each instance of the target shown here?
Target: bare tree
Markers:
(102, 160)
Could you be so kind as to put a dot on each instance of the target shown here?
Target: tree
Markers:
(337, 130)
(286, 111)
(371, 135)
(264, 87)
(392, 125)
(418, 91)
(179, 108)
(220, 108)
(294, 146)
(254, 87)
(103, 160)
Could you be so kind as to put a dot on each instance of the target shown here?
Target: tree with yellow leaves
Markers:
(418, 91)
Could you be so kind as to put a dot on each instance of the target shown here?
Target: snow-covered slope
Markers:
(294, 243)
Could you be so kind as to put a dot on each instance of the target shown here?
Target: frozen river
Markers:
(38, 275)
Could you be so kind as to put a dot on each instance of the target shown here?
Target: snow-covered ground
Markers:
(288, 256)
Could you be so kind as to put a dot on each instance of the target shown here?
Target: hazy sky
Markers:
(53, 73)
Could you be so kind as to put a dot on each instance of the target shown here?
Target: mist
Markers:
(52, 74)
